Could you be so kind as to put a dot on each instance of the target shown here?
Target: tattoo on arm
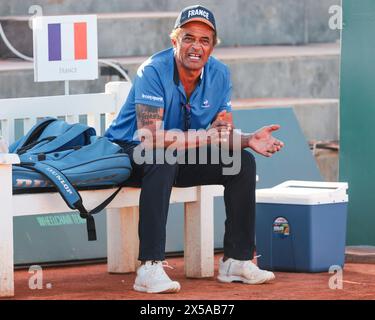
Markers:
(147, 116)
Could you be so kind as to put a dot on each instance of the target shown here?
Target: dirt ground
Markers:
(92, 282)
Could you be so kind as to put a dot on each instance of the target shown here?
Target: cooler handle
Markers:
(338, 186)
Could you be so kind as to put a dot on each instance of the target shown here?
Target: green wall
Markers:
(357, 118)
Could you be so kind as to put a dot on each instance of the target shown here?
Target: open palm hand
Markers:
(264, 143)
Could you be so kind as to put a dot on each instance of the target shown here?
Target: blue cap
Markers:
(195, 13)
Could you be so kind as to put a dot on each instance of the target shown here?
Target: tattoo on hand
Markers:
(148, 116)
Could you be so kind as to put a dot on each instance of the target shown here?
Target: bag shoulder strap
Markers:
(59, 141)
(33, 134)
(69, 194)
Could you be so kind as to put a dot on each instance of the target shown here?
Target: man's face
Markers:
(194, 45)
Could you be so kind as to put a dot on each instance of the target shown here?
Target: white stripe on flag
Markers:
(67, 41)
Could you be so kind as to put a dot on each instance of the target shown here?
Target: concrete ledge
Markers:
(260, 72)
(119, 34)
(360, 254)
(328, 163)
(239, 22)
(318, 118)
(128, 28)
(310, 71)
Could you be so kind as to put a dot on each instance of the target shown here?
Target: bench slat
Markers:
(47, 203)
(28, 123)
(22, 108)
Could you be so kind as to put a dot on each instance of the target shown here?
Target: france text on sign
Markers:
(65, 48)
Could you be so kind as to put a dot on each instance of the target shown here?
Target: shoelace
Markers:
(246, 264)
(163, 264)
(250, 265)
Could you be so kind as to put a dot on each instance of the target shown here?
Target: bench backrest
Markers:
(25, 112)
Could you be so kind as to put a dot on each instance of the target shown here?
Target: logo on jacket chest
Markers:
(205, 104)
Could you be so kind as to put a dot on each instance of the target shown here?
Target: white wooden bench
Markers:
(122, 213)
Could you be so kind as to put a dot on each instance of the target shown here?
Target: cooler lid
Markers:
(304, 192)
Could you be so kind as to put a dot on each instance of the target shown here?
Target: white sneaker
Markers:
(151, 278)
(243, 271)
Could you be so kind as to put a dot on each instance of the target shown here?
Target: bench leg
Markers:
(6, 233)
(199, 235)
(122, 239)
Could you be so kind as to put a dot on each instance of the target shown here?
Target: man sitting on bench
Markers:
(175, 92)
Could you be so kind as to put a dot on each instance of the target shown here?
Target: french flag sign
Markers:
(67, 41)
(65, 48)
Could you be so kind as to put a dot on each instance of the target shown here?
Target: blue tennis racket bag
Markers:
(66, 157)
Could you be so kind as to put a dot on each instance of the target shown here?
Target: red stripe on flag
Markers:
(80, 41)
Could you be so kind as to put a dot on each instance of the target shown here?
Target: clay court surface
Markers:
(92, 282)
